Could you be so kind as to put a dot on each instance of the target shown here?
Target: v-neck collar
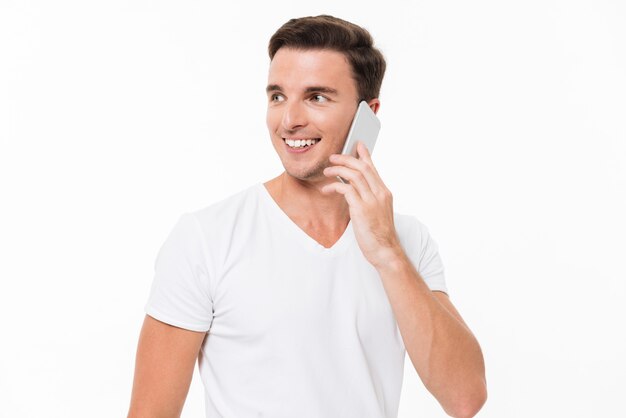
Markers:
(305, 238)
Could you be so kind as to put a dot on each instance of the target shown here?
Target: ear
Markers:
(374, 104)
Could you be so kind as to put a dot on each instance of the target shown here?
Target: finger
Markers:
(362, 151)
(363, 166)
(355, 178)
(364, 155)
(350, 194)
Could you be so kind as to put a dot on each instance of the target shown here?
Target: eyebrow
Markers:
(316, 89)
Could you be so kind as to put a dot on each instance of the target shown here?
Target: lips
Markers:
(301, 149)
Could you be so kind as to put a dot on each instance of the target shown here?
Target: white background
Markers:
(502, 130)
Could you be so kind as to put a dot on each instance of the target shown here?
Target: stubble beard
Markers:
(315, 173)
(311, 174)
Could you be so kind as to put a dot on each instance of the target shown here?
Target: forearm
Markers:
(443, 350)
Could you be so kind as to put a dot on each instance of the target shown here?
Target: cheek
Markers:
(271, 119)
(324, 123)
(337, 126)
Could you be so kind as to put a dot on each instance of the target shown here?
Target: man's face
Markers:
(311, 94)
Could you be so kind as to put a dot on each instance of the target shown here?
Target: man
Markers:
(300, 296)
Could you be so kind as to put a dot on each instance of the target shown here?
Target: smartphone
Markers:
(365, 127)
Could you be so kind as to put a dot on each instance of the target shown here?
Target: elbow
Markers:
(470, 407)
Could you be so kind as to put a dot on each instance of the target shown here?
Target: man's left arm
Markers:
(442, 348)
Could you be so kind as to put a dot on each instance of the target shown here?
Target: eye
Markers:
(319, 98)
(276, 95)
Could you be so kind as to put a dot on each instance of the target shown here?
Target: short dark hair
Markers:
(329, 32)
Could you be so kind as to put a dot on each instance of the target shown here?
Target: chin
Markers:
(307, 174)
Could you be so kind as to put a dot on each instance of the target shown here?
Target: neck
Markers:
(304, 200)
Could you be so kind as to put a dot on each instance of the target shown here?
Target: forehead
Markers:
(295, 69)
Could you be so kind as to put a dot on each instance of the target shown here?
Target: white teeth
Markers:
(299, 143)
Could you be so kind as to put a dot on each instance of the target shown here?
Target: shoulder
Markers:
(227, 210)
(415, 238)
(422, 250)
(209, 233)
(411, 231)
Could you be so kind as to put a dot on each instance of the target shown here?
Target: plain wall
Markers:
(502, 130)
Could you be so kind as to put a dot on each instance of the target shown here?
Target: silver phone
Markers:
(365, 127)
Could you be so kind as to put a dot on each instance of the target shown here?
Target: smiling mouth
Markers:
(301, 143)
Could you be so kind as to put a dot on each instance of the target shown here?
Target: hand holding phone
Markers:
(365, 127)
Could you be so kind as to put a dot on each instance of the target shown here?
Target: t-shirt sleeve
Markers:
(427, 259)
(180, 294)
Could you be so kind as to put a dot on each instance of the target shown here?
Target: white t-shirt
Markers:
(294, 329)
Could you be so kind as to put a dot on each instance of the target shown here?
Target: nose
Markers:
(294, 116)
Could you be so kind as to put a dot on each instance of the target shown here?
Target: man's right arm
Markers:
(164, 365)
